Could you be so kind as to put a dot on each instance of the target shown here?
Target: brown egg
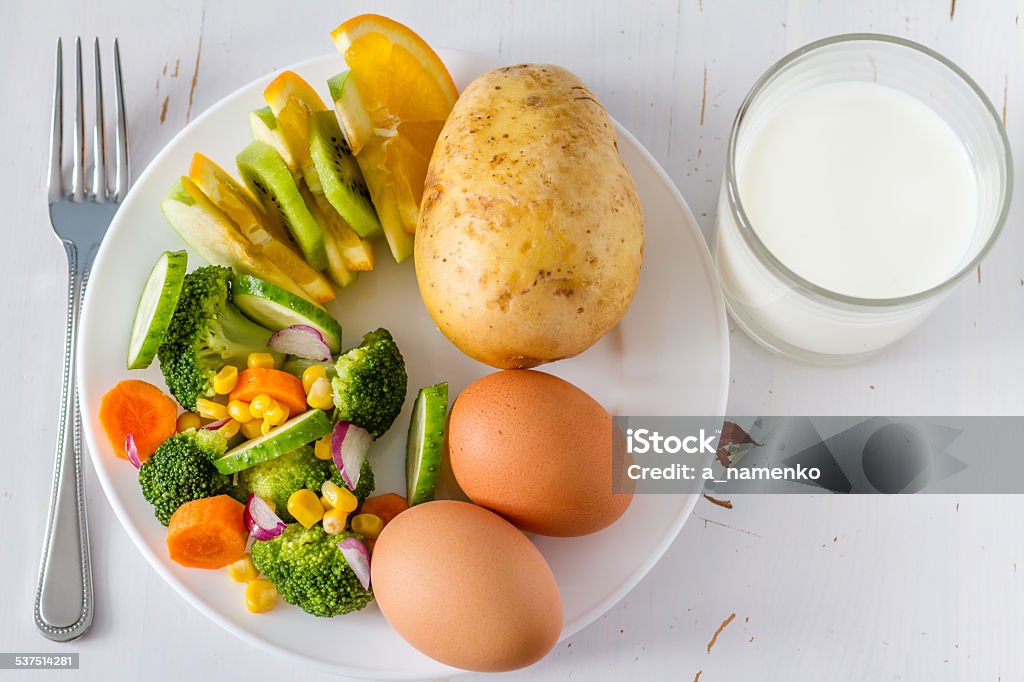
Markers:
(537, 450)
(466, 588)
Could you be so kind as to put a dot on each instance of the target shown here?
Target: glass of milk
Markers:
(866, 175)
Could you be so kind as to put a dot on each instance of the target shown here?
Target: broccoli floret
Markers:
(275, 480)
(371, 384)
(365, 486)
(308, 570)
(181, 470)
(206, 332)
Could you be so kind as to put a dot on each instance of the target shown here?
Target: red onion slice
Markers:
(349, 444)
(132, 451)
(215, 426)
(358, 558)
(302, 341)
(260, 520)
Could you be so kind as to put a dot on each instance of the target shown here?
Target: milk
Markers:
(861, 190)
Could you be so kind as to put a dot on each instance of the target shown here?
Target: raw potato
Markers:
(530, 237)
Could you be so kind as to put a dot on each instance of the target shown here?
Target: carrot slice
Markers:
(386, 506)
(141, 409)
(281, 386)
(207, 533)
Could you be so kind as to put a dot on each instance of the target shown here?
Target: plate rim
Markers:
(572, 628)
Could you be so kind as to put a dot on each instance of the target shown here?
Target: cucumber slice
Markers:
(426, 443)
(309, 426)
(270, 306)
(156, 307)
(297, 366)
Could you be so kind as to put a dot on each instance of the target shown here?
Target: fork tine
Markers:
(78, 170)
(99, 139)
(53, 187)
(123, 168)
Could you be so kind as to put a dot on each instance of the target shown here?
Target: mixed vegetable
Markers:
(266, 471)
(266, 468)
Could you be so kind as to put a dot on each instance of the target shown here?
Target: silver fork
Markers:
(80, 216)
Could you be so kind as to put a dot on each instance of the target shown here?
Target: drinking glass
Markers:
(797, 318)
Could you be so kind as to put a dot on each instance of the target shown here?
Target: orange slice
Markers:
(289, 84)
(403, 93)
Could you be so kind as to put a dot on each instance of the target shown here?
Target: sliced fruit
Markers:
(337, 270)
(293, 126)
(263, 229)
(407, 166)
(374, 166)
(274, 308)
(340, 177)
(356, 253)
(309, 426)
(406, 92)
(267, 176)
(288, 84)
(354, 119)
(409, 73)
(213, 235)
(235, 200)
(426, 443)
(294, 103)
(263, 125)
(292, 100)
(156, 307)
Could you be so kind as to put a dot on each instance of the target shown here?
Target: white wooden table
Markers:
(914, 588)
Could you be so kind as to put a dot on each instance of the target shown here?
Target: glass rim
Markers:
(765, 254)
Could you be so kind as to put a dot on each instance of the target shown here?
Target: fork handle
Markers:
(64, 598)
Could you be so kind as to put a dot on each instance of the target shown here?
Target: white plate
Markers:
(668, 356)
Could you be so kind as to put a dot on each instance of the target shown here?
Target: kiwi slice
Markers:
(267, 176)
(339, 174)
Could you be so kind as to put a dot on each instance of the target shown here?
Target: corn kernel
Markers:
(211, 410)
(367, 525)
(304, 505)
(260, 596)
(225, 380)
(322, 449)
(252, 429)
(243, 570)
(188, 420)
(259, 405)
(334, 521)
(339, 497)
(265, 427)
(320, 396)
(230, 430)
(276, 414)
(260, 361)
(311, 374)
(239, 411)
(271, 504)
(325, 504)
